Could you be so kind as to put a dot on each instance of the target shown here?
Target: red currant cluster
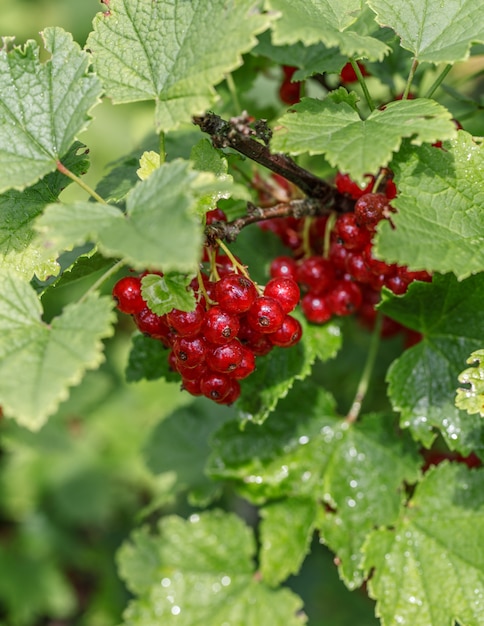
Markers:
(333, 262)
(215, 346)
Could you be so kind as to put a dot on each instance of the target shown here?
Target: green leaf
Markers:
(422, 382)
(334, 128)
(310, 60)
(427, 570)
(307, 451)
(168, 52)
(148, 359)
(42, 106)
(471, 397)
(439, 224)
(438, 31)
(159, 230)
(332, 22)
(167, 292)
(39, 361)
(286, 531)
(20, 250)
(201, 571)
(276, 372)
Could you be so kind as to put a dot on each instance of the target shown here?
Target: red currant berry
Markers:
(315, 308)
(344, 184)
(288, 334)
(225, 358)
(153, 325)
(345, 298)
(349, 233)
(258, 343)
(246, 365)
(215, 385)
(265, 315)
(348, 74)
(189, 373)
(127, 293)
(370, 209)
(285, 291)
(289, 92)
(317, 274)
(232, 395)
(397, 283)
(235, 293)
(192, 386)
(283, 266)
(190, 351)
(357, 267)
(215, 215)
(219, 326)
(186, 323)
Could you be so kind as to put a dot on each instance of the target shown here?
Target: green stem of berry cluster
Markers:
(107, 274)
(411, 74)
(238, 267)
(363, 85)
(67, 172)
(365, 379)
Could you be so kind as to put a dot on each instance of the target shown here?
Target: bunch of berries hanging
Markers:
(215, 346)
(332, 258)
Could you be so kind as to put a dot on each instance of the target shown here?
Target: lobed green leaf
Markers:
(39, 361)
(172, 52)
(427, 570)
(437, 31)
(471, 397)
(422, 381)
(439, 224)
(333, 127)
(42, 106)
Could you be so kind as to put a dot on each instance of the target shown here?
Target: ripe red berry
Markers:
(186, 323)
(265, 315)
(235, 293)
(224, 358)
(349, 232)
(258, 343)
(190, 351)
(283, 266)
(316, 308)
(289, 92)
(370, 209)
(215, 385)
(219, 326)
(215, 215)
(153, 325)
(288, 334)
(232, 395)
(246, 365)
(127, 293)
(345, 298)
(344, 184)
(285, 291)
(317, 274)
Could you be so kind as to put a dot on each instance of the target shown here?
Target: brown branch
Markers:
(237, 134)
(301, 207)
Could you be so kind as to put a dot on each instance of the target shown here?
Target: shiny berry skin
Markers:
(265, 315)
(345, 298)
(283, 266)
(288, 334)
(224, 358)
(186, 323)
(190, 351)
(290, 92)
(315, 308)
(258, 343)
(370, 209)
(189, 373)
(235, 293)
(192, 386)
(151, 324)
(215, 385)
(285, 291)
(349, 233)
(233, 393)
(127, 293)
(397, 283)
(317, 274)
(219, 326)
(246, 365)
